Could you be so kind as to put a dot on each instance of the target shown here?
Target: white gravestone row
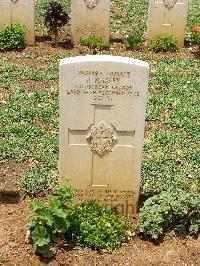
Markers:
(167, 17)
(21, 12)
(102, 117)
(91, 17)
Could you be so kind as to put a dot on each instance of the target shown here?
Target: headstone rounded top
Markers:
(103, 58)
(91, 3)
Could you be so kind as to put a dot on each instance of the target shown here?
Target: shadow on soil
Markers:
(9, 197)
(66, 44)
(61, 246)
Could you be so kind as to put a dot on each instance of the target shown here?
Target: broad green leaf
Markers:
(47, 217)
(36, 205)
(40, 236)
(54, 200)
(32, 222)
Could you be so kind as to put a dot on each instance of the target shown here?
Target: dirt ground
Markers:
(173, 250)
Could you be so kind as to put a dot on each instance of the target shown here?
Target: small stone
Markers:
(28, 237)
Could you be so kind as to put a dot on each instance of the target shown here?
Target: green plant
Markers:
(12, 37)
(177, 209)
(193, 18)
(164, 43)
(133, 40)
(50, 220)
(98, 228)
(94, 42)
(33, 182)
(129, 16)
(195, 37)
(3, 257)
(55, 18)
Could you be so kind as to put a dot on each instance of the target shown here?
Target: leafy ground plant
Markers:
(32, 182)
(95, 227)
(87, 224)
(164, 43)
(12, 37)
(193, 18)
(178, 210)
(50, 220)
(133, 40)
(94, 42)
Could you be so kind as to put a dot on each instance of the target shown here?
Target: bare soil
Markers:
(173, 250)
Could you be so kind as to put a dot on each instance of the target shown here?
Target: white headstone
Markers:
(167, 17)
(21, 12)
(102, 117)
(90, 17)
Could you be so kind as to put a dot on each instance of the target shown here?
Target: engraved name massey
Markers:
(103, 85)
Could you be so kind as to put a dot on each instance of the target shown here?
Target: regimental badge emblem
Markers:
(14, 1)
(169, 3)
(91, 3)
(101, 138)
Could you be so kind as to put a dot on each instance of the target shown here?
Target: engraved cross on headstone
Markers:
(101, 138)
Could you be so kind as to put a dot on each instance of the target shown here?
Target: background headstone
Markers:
(90, 17)
(167, 17)
(19, 11)
(102, 117)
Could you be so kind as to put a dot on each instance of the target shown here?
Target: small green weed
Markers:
(164, 43)
(12, 37)
(95, 227)
(133, 40)
(50, 220)
(38, 75)
(177, 209)
(32, 182)
(3, 257)
(9, 73)
(195, 38)
(94, 42)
